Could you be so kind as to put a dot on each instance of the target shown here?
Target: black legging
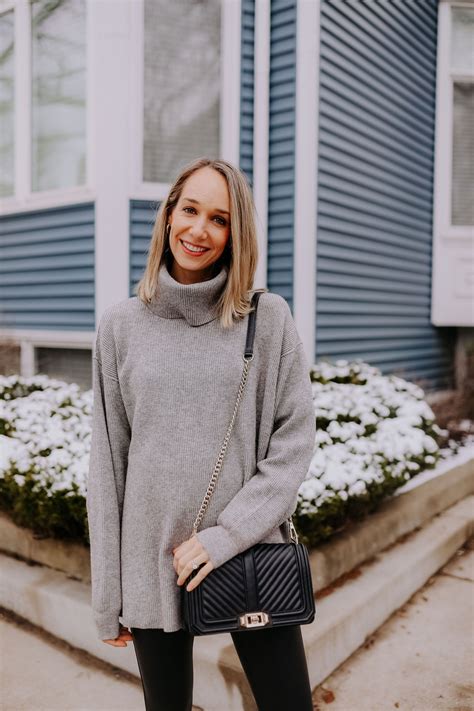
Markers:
(273, 659)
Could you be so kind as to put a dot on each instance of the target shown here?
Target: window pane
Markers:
(73, 365)
(463, 155)
(58, 93)
(462, 40)
(7, 168)
(181, 86)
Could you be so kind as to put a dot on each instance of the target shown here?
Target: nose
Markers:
(198, 227)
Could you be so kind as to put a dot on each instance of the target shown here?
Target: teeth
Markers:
(193, 248)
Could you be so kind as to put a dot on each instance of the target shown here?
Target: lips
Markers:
(201, 249)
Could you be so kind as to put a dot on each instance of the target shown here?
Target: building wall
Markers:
(377, 88)
(47, 269)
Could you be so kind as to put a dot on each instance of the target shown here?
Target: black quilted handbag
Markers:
(268, 585)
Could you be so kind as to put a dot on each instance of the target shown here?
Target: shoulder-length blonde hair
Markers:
(241, 251)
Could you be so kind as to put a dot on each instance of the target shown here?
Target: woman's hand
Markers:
(122, 639)
(184, 554)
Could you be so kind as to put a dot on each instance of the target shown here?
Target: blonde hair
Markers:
(241, 251)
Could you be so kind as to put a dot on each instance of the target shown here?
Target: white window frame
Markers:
(452, 291)
(24, 198)
(444, 126)
(229, 95)
(29, 341)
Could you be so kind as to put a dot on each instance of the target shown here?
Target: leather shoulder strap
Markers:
(252, 324)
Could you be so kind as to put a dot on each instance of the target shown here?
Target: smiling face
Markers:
(200, 219)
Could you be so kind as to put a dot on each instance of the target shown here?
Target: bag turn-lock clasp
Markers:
(254, 619)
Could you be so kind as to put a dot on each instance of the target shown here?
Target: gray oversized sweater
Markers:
(165, 379)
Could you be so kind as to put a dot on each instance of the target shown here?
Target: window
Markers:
(58, 108)
(462, 78)
(73, 365)
(181, 92)
(452, 284)
(7, 172)
(42, 100)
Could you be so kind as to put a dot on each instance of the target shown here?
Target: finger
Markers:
(126, 636)
(187, 568)
(191, 553)
(205, 570)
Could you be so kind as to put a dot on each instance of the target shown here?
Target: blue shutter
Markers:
(47, 269)
(375, 189)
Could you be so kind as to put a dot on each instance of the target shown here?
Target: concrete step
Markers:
(354, 608)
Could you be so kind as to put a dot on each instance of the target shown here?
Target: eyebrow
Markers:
(198, 203)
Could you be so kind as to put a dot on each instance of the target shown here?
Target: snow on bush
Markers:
(45, 433)
(373, 432)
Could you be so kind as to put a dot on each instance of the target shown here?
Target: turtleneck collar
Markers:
(197, 303)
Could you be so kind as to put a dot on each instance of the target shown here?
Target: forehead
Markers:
(207, 185)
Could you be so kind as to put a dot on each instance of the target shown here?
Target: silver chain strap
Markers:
(220, 459)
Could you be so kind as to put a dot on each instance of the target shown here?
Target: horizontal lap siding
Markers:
(142, 220)
(247, 88)
(281, 178)
(375, 188)
(47, 269)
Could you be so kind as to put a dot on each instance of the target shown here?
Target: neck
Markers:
(187, 276)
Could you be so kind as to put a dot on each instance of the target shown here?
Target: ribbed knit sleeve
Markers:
(105, 485)
(270, 495)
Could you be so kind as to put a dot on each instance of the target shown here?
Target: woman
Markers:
(167, 366)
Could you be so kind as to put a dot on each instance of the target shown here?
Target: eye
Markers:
(222, 221)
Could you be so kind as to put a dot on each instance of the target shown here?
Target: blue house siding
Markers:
(142, 219)
(281, 168)
(47, 269)
(375, 188)
(247, 88)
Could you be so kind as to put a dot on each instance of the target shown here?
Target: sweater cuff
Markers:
(107, 624)
(218, 543)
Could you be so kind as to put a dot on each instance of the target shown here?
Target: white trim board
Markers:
(306, 151)
(261, 103)
(109, 85)
(46, 338)
(452, 296)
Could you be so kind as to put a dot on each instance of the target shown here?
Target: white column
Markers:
(307, 64)
(109, 78)
(27, 359)
(231, 25)
(22, 61)
(261, 109)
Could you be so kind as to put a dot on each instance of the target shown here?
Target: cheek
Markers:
(224, 238)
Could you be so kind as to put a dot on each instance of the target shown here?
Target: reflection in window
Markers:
(181, 85)
(58, 93)
(7, 168)
(463, 155)
(462, 63)
(462, 40)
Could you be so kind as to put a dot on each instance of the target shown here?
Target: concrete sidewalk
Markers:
(421, 659)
